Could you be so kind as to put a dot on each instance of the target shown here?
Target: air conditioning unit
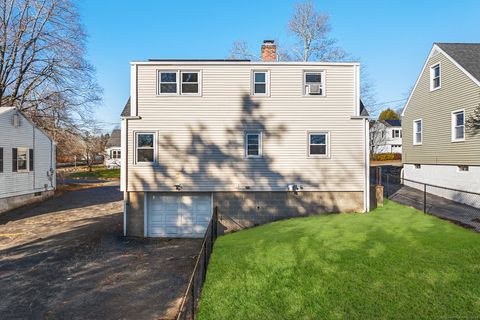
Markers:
(314, 89)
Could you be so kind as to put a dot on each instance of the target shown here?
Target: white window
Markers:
(417, 131)
(253, 144)
(167, 82)
(314, 83)
(317, 144)
(22, 159)
(145, 147)
(260, 83)
(435, 81)
(396, 133)
(115, 154)
(190, 82)
(178, 82)
(458, 125)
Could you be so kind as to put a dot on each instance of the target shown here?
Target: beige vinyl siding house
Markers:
(27, 161)
(239, 150)
(440, 157)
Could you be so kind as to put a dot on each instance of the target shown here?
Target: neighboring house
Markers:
(257, 140)
(27, 161)
(386, 136)
(437, 147)
(113, 151)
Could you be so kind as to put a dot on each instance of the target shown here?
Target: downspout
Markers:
(367, 165)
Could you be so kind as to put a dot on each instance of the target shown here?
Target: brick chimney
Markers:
(269, 51)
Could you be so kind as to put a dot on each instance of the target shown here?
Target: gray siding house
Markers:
(257, 140)
(27, 161)
(438, 147)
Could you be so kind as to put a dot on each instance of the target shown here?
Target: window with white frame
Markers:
(417, 131)
(115, 154)
(253, 144)
(260, 83)
(458, 125)
(435, 81)
(190, 82)
(462, 168)
(314, 83)
(318, 144)
(396, 133)
(145, 147)
(167, 82)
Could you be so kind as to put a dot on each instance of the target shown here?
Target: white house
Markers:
(257, 140)
(27, 161)
(113, 152)
(386, 136)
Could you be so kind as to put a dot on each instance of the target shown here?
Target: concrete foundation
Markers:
(10, 203)
(239, 210)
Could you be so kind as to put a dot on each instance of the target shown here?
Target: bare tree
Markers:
(43, 70)
(240, 50)
(93, 145)
(378, 137)
(311, 30)
(473, 121)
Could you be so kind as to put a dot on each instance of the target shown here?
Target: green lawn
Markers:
(98, 172)
(394, 262)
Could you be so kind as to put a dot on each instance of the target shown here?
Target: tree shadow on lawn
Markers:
(356, 266)
(92, 272)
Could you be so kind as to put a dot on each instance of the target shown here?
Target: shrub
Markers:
(387, 156)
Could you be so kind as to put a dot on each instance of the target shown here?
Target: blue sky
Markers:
(392, 38)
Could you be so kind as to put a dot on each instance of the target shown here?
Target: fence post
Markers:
(387, 185)
(425, 198)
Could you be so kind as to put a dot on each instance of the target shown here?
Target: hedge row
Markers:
(387, 156)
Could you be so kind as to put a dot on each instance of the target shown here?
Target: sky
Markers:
(390, 38)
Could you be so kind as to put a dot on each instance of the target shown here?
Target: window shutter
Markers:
(14, 160)
(1, 159)
(30, 159)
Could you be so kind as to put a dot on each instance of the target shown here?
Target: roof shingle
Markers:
(465, 54)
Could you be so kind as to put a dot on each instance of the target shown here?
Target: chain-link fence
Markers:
(459, 206)
(189, 304)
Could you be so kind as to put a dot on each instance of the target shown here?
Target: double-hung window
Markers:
(396, 133)
(19, 159)
(435, 80)
(145, 147)
(168, 82)
(253, 144)
(115, 154)
(260, 83)
(314, 83)
(178, 82)
(318, 144)
(458, 125)
(417, 131)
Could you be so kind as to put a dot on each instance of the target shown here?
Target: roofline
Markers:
(435, 46)
(241, 62)
(31, 123)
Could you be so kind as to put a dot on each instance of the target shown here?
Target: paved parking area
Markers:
(66, 258)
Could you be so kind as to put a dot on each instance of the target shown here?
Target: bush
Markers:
(387, 156)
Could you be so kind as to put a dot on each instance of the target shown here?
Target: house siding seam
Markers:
(458, 91)
(200, 138)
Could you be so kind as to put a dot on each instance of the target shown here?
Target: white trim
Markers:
(145, 214)
(433, 50)
(260, 143)
(323, 83)
(178, 74)
(199, 83)
(415, 143)
(155, 148)
(267, 83)
(133, 90)
(327, 144)
(250, 63)
(454, 125)
(125, 201)
(432, 77)
(366, 144)
(356, 95)
(159, 82)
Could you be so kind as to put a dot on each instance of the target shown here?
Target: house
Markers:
(438, 147)
(113, 153)
(386, 136)
(27, 161)
(257, 140)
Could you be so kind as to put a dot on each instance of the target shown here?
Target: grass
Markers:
(99, 172)
(394, 262)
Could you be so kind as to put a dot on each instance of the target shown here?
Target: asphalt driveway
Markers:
(66, 258)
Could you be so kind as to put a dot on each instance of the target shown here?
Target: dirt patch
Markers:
(67, 258)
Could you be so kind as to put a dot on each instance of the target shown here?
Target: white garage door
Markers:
(184, 215)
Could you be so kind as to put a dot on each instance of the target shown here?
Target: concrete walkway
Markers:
(456, 212)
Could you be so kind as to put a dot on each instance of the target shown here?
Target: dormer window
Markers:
(179, 82)
(435, 81)
(314, 83)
